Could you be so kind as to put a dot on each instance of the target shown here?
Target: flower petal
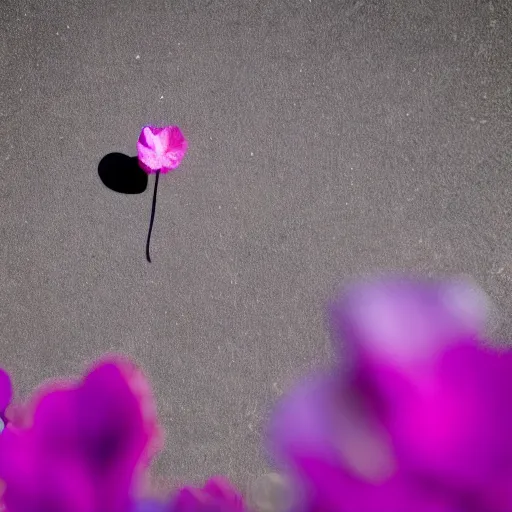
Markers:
(406, 323)
(118, 429)
(5, 390)
(161, 149)
(218, 495)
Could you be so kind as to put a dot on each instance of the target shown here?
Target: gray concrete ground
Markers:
(328, 139)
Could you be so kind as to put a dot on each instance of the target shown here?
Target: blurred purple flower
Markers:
(84, 446)
(161, 149)
(217, 495)
(418, 422)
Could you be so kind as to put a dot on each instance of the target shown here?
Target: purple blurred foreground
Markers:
(86, 446)
(417, 421)
(420, 420)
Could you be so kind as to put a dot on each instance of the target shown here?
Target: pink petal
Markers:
(218, 495)
(161, 149)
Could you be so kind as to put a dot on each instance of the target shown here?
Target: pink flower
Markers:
(85, 445)
(218, 495)
(161, 149)
(421, 419)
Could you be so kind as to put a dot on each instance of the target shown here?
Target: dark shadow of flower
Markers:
(122, 174)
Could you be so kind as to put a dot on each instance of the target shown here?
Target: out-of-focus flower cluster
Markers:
(413, 418)
(419, 421)
(86, 446)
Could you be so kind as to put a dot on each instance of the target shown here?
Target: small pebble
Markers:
(137, 57)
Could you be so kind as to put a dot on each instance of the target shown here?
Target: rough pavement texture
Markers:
(328, 139)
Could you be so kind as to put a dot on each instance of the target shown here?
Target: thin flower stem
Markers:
(153, 209)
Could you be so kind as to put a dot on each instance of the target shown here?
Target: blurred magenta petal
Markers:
(5, 390)
(304, 422)
(85, 446)
(340, 459)
(123, 427)
(36, 480)
(218, 495)
(421, 419)
(457, 427)
(330, 446)
(441, 392)
(161, 149)
(406, 323)
(121, 435)
(333, 488)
